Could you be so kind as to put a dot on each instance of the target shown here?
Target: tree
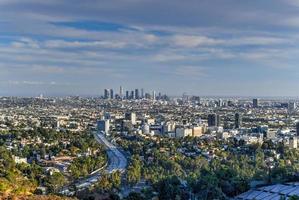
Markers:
(83, 166)
(134, 170)
(294, 197)
(116, 179)
(259, 158)
(55, 181)
(169, 188)
(104, 183)
(207, 186)
(134, 196)
(114, 196)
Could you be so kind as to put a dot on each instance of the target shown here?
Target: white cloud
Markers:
(190, 71)
(79, 44)
(292, 2)
(48, 69)
(191, 41)
(151, 38)
(35, 83)
(257, 40)
(198, 41)
(26, 82)
(290, 21)
(25, 42)
(166, 57)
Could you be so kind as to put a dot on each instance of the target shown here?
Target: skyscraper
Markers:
(142, 93)
(255, 103)
(154, 95)
(127, 94)
(131, 116)
(292, 107)
(218, 120)
(103, 125)
(147, 96)
(111, 94)
(121, 92)
(132, 95)
(137, 94)
(212, 119)
(297, 129)
(220, 102)
(238, 120)
(106, 94)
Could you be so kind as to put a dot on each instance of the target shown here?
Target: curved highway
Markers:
(116, 162)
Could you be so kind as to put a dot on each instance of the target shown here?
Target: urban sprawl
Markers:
(135, 144)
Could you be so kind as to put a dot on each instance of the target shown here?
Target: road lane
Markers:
(116, 162)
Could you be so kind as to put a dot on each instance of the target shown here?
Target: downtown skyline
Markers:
(209, 48)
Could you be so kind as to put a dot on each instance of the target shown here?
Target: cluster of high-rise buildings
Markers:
(248, 119)
(215, 119)
(133, 94)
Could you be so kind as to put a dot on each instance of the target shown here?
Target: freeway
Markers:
(116, 161)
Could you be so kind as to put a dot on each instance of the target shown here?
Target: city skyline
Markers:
(205, 48)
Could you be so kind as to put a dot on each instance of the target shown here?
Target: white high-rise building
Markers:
(154, 95)
(183, 132)
(103, 125)
(121, 92)
(293, 143)
(132, 117)
(146, 129)
(291, 107)
(169, 127)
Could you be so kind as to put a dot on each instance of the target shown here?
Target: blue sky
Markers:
(206, 47)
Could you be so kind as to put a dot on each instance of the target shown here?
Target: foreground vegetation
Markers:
(40, 147)
(215, 169)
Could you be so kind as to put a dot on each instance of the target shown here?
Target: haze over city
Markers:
(219, 47)
(149, 100)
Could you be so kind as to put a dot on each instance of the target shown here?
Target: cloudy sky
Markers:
(202, 47)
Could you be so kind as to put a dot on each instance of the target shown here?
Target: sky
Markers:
(197, 47)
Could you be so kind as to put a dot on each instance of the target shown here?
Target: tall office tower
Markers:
(226, 124)
(195, 99)
(220, 103)
(103, 125)
(121, 92)
(292, 106)
(238, 120)
(255, 103)
(106, 94)
(154, 95)
(137, 94)
(185, 97)
(147, 96)
(111, 94)
(132, 96)
(297, 129)
(212, 120)
(142, 93)
(132, 117)
(127, 94)
(230, 103)
(218, 120)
